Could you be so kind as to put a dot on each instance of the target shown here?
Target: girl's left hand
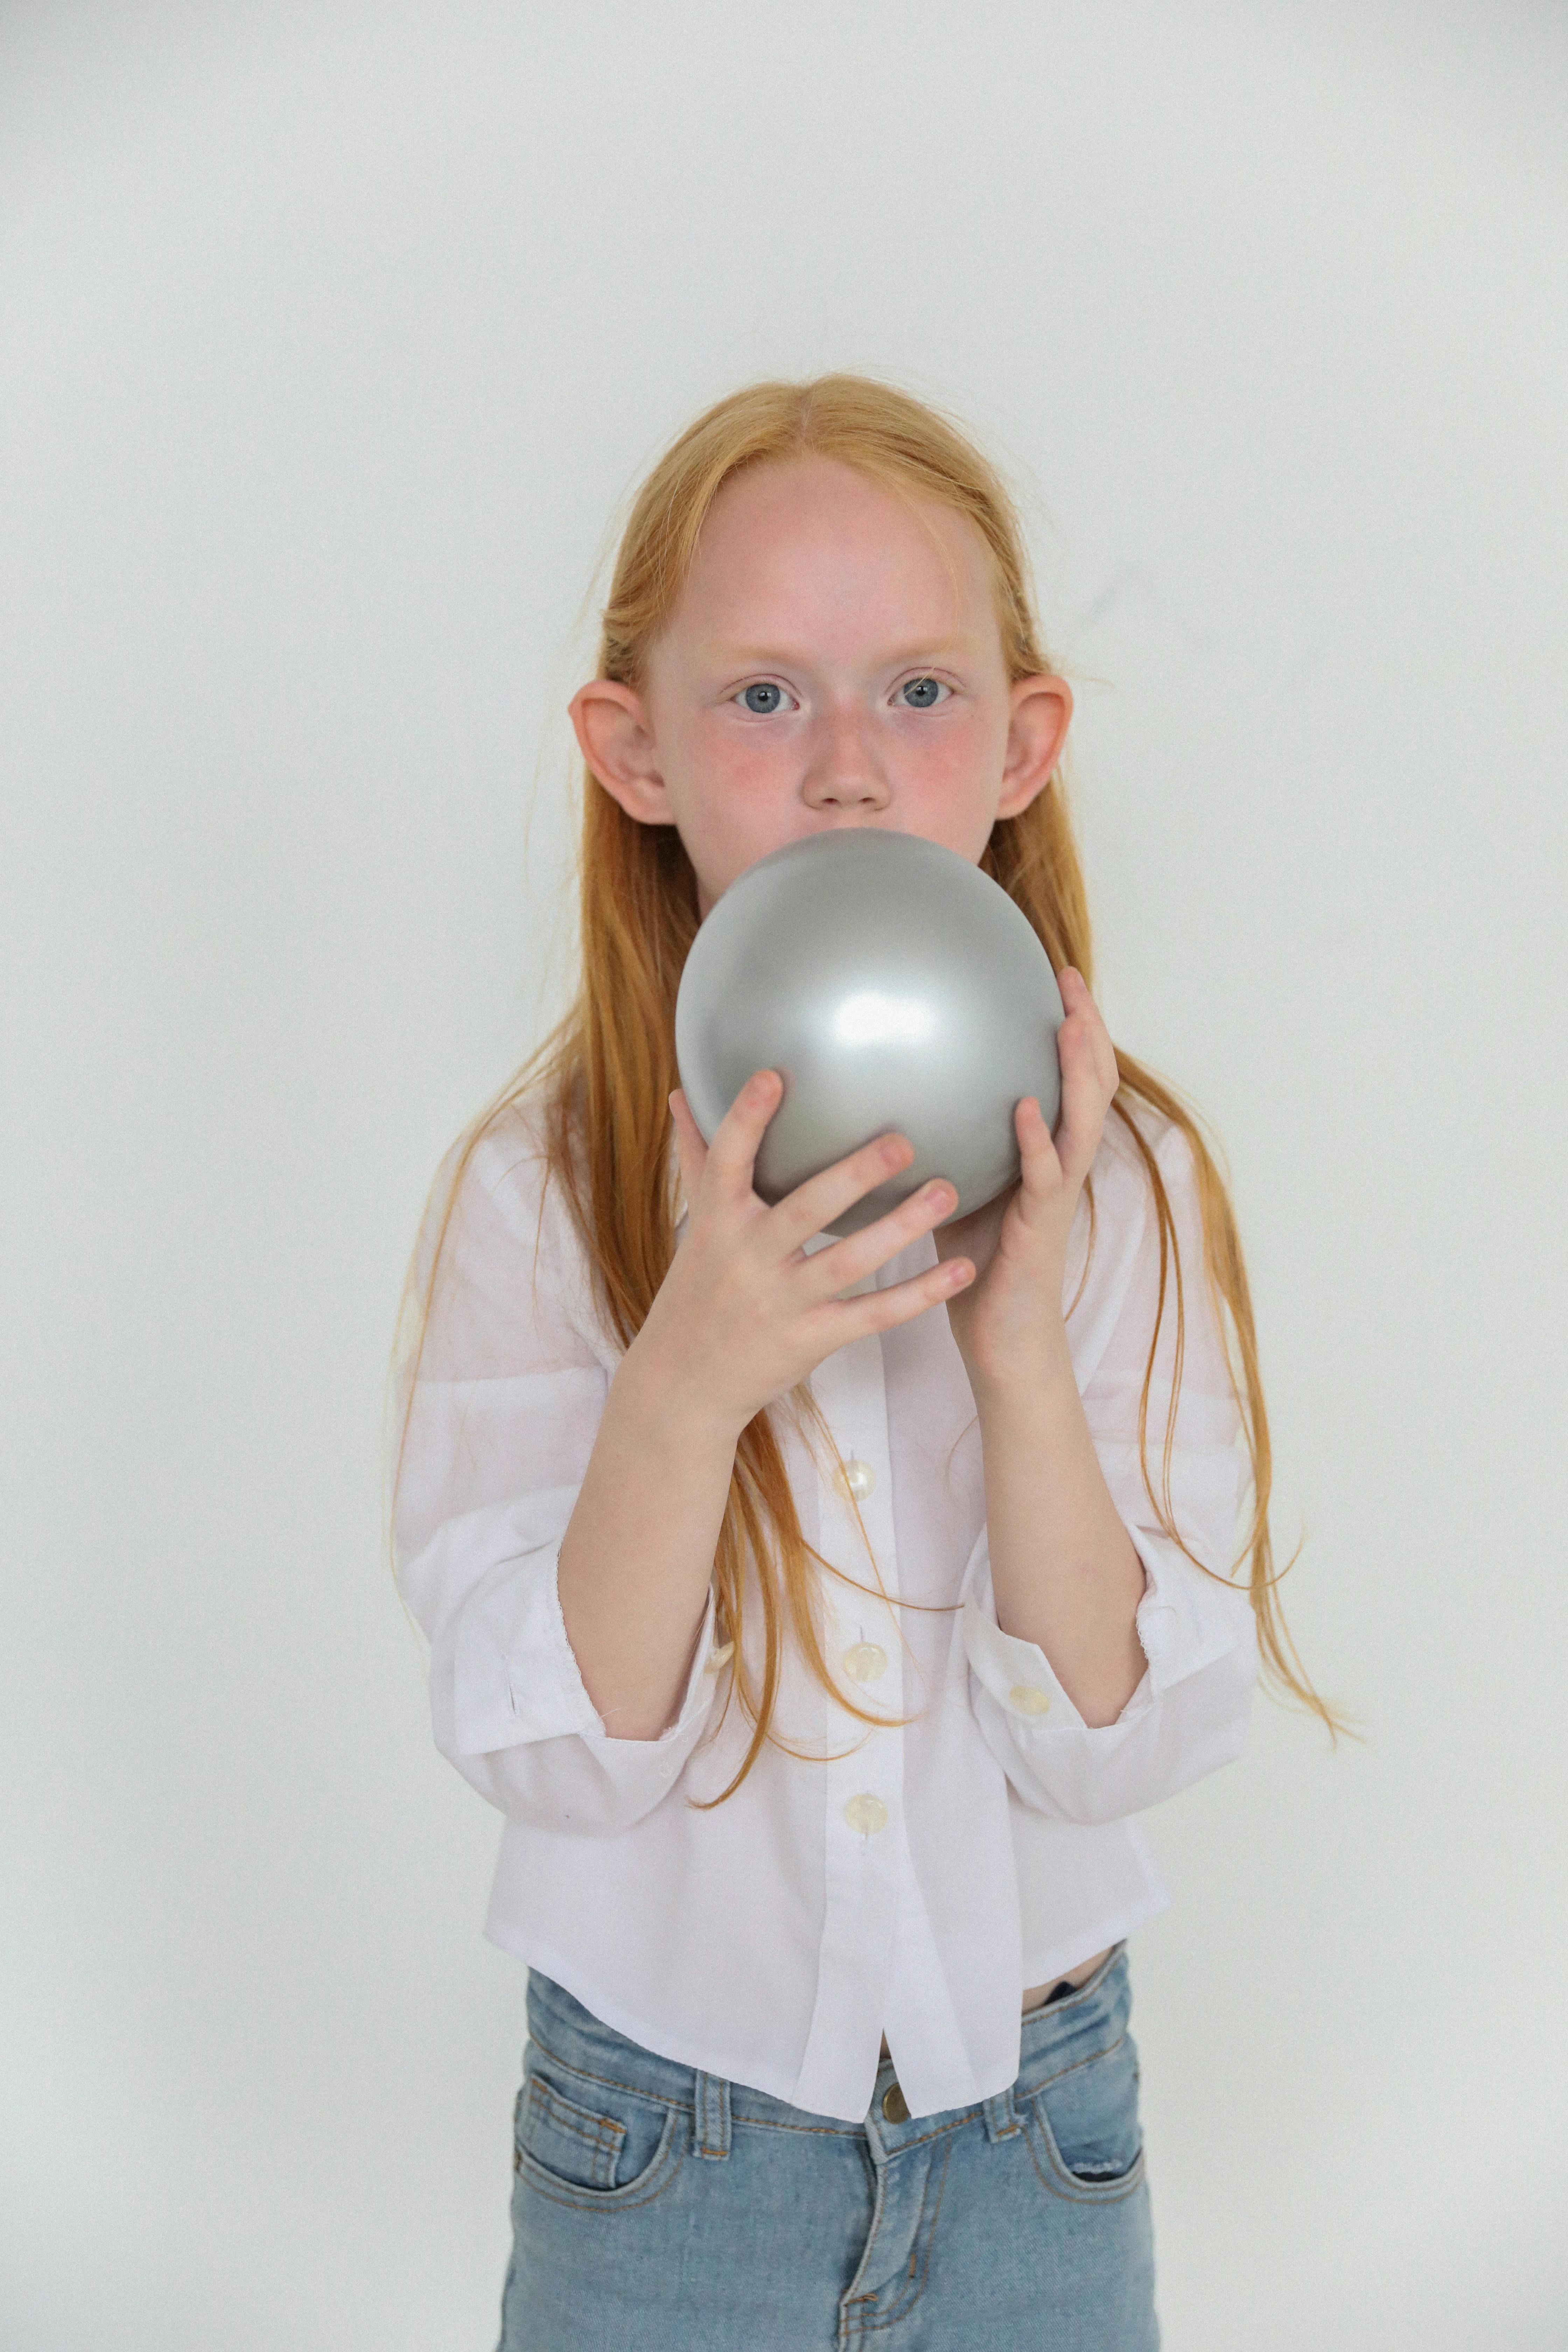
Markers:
(1010, 1317)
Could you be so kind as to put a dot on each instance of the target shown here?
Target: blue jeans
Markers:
(659, 2210)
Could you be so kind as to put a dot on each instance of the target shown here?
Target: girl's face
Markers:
(833, 659)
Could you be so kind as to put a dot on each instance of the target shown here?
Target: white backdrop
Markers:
(333, 340)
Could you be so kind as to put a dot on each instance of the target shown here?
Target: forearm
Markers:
(1063, 1569)
(638, 1556)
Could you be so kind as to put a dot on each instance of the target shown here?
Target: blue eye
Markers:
(923, 693)
(763, 699)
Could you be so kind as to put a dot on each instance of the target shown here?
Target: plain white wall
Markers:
(332, 339)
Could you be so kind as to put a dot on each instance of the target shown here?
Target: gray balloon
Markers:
(894, 986)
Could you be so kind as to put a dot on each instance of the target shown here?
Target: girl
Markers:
(809, 1607)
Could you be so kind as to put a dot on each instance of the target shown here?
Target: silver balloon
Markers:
(894, 987)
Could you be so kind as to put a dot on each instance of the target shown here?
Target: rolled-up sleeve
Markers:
(1189, 1712)
(497, 1422)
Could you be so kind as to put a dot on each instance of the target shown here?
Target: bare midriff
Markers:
(1038, 1993)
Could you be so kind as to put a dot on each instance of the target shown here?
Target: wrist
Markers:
(667, 1404)
(1039, 1370)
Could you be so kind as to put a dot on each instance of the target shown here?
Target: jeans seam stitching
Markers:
(1073, 2190)
(612, 2082)
(665, 2162)
(605, 2135)
(907, 2301)
(688, 2108)
(1078, 2064)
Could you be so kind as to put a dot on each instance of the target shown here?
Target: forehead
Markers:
(795, 542)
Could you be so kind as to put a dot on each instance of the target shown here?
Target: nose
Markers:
(845, 768)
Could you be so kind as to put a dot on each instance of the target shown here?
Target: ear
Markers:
(1042, 713)
(611, 723)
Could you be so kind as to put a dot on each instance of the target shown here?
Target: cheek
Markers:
(964, 752)
(731, 794)
(725, 765)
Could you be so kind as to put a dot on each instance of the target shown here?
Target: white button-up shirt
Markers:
(912, 1882)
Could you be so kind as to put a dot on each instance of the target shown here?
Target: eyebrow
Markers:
(739, 656)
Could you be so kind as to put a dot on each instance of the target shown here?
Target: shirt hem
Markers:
(536, 1952)
(1055, 1959)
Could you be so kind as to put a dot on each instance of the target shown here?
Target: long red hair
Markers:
(604, 1075)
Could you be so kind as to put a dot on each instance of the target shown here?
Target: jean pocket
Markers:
(597, 2146)
(1084, 2126)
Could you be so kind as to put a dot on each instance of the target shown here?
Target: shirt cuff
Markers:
(695, 1702)
(1017, 1673)
(515, 1677)
(1185, 1622)
(1187, 1618)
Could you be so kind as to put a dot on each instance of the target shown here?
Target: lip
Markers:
(851, 825)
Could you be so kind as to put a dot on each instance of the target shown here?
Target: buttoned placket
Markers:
(899, 1958)
(863, 1780)
(866, 1983)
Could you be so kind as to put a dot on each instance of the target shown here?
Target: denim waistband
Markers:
(1053, 2038)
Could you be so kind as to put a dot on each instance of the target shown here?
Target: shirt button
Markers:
(856, 1478)
(865, 1662)
(895, 2106)
(866, 1813)
(1029, 1699)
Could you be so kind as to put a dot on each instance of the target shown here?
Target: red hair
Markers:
(604, 1072)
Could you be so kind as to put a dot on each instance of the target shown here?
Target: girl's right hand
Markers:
(745, 1313)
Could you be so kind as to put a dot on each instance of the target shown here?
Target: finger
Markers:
(1043, 1174)
(849, 1261)
(737, 1139)
(814, 1205)
(881, 1310)
(1078, 1134)
(1076, 997)
(1035, 1142)
(1106, 1072)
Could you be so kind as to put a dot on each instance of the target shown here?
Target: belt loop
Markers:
(712, 2116)
(1001, 2117)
